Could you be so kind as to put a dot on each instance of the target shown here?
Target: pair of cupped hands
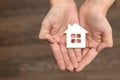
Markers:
(92, 17)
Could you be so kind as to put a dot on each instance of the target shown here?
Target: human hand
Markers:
(62, 13)
(92, 16)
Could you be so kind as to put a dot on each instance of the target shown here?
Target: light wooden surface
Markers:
(24, 57)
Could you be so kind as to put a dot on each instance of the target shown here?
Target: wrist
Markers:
(102, 5)
(60, 2)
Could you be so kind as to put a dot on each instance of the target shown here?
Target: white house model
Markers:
(76, 36)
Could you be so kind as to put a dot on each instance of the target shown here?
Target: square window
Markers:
(78, 35)
(72, 35)
(78, 41)
(73, 41)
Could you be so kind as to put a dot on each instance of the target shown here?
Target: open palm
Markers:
(53, 26)
(99, 33)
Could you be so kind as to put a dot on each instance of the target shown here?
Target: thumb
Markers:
(45, 32)
(107, 40)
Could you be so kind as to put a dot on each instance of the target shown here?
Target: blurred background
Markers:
(24, 57)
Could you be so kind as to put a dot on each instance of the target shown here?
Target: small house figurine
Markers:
(76, 36)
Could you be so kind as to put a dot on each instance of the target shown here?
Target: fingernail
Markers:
(62, 67)
(78, 70)
(70, 68)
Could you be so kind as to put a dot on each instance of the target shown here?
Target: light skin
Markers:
(92, 16)
(54, 24)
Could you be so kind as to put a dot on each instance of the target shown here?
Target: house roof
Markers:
(75, 28)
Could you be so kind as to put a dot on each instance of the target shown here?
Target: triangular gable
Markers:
(75, 28)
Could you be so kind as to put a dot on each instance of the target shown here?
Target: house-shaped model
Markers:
(76, 36)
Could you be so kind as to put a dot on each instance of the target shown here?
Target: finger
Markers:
(101, 46)
(63, 48)
(48, 37)
(68, 63)
(107, 35)
(58, 55)
(92, 53)
(107, 40)
(78, 54)
(84, 51)
(73, 58)
(90, 42)
(45, 32)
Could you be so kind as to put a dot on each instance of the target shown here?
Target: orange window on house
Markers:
(75, 38)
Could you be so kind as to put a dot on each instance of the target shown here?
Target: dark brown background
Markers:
(24, 57)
